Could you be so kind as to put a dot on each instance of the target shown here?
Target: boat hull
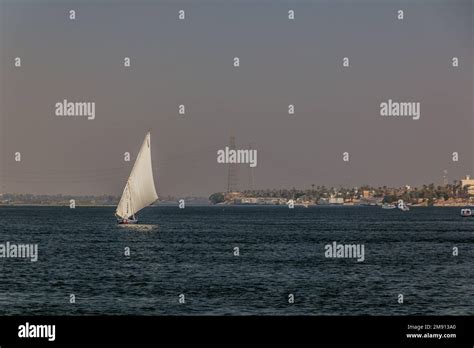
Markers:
(127, 221)
(466, 213)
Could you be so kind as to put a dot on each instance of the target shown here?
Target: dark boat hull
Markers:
(127, 221)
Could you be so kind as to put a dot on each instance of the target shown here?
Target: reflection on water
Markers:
(139, 227)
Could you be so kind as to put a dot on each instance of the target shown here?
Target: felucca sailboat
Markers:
(139, 192)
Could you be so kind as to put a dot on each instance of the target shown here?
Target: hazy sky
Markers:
(190, 62)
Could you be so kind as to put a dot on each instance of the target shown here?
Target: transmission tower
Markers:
(250, 169)
(232, 171)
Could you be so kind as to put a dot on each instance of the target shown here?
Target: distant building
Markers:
(336, 200)
(469, 183)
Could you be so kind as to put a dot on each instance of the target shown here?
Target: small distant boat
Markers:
(466, 212)
(388, 206)
(139, 192)
(402, 206)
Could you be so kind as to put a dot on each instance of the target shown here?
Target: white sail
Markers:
(139, 191)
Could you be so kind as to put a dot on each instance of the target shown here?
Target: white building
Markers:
(469, 183)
